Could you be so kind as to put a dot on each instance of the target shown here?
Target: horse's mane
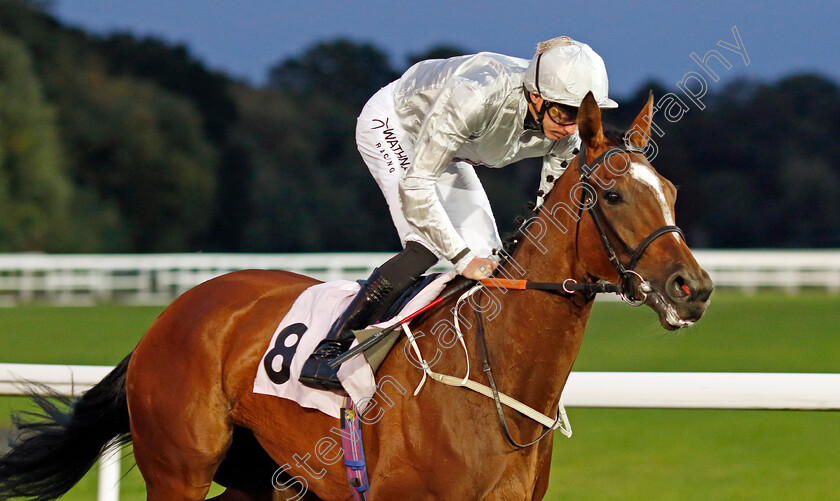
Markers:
(614, 136)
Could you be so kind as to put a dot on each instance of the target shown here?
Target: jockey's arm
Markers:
(447, 126)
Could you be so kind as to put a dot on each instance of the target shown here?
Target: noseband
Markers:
(589, 201)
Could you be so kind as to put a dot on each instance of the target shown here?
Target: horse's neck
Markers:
(535, 338)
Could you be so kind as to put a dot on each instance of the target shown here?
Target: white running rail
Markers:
(160, 278)
(685, 390)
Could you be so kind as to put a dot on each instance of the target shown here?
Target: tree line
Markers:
(124, 144)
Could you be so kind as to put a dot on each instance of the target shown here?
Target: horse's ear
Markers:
(589, 122)
(640, 130)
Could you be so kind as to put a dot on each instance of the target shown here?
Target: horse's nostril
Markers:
(678, 287)
(689, 287)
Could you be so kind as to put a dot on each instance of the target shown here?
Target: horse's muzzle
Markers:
(682, 299)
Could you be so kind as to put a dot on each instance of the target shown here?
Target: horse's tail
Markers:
(58, 446)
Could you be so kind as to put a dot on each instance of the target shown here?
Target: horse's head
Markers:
(628, 234)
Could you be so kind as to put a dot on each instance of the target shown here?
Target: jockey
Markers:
(421, 137)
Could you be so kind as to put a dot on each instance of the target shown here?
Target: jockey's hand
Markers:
(480, 267)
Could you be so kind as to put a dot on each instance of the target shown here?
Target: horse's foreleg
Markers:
(543, 470)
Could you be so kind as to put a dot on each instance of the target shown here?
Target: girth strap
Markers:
(354, 454)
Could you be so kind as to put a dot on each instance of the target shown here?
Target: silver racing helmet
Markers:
(564, 70)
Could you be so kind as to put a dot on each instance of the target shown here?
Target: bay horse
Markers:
(184, 395)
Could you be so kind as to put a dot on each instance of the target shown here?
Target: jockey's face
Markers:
(554, 124)
(555, 131)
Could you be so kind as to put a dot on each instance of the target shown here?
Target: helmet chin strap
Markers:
(541, 110)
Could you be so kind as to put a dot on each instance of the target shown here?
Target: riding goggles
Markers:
(557, 116)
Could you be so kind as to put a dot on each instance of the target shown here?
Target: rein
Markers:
(569, 286)
(482, 343)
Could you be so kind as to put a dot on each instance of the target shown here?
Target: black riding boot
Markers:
(385, 285)
(371, 301)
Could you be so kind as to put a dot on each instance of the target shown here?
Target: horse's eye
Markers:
(612, 197)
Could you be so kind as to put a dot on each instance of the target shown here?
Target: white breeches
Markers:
(388, 152)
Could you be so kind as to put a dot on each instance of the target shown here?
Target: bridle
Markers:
(589, 202)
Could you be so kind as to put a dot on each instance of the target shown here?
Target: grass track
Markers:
(615, 453)
(658, 454)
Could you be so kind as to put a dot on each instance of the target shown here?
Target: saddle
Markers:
(407, 296)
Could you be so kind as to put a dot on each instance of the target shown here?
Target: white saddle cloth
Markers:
(303, 328)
